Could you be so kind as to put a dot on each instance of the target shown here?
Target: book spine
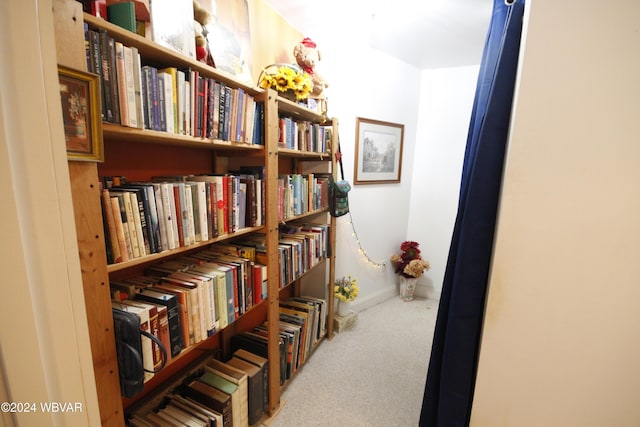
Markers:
(120, 229)
(106, 73)
(177, 206)
(126, 227)
(112, 240)
(155, 99)
(131, 87)
(122, 84)
(162, 106)
(181, 102)
(137, 84)
(115, 97)
(210, 107)
(221, 110)
(131, 222)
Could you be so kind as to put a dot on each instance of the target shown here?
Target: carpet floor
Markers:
(372, 374)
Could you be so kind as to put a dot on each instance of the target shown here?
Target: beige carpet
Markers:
(370, 375)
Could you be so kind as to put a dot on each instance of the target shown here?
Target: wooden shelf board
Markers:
(123, 133)
(167, 254)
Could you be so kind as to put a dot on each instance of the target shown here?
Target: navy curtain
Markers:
(454, 355)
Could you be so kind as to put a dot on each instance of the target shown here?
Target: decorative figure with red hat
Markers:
(307, 56)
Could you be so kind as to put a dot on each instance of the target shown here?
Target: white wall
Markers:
(367, 83)
(446, 100)
(435, 108)
(561, 337)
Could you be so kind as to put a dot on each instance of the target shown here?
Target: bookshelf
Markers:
(140, 154)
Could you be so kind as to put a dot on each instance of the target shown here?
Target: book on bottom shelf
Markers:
(255, 391)
(209, 376)
(263, 365)
(197, 409)
(211, 398)
(238, 377)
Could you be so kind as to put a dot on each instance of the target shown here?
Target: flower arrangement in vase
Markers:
(409, 265)
(288, 79)
(346, 290)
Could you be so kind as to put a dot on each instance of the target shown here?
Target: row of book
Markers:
(304, 135)
(207, 290)
(300, 248)
(143, 218)
(299, 194)
(173, 100)
(302, 324)
(234, 393)
(184, 301)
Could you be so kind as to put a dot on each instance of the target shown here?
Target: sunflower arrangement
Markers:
(286, 79)
(346, 289)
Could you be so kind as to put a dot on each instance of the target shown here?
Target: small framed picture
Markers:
(81, 105)
(378, 156)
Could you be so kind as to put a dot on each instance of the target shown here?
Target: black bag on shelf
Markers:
(339, 192)
(129, 351)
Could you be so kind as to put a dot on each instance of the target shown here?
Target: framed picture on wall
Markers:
(378, 154)
(80, 97)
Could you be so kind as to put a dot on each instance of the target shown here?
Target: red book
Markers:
(205, 106)
(178, 218)
(257, 284)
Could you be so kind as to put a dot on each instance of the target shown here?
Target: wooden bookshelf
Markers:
(139, 154)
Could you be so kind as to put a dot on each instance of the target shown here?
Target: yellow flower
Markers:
(346, 289)
(284, 78)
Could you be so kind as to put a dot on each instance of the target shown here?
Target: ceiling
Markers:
(423, 33)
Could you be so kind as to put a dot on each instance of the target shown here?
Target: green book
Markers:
(214, 380)
(218, 382)
(123, 15)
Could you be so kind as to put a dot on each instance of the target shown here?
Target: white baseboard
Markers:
(423, 291)
(361, 304)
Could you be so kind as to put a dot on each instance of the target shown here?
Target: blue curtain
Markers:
(454, 355)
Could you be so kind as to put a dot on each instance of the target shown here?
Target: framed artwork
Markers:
(81, 105)
(229, 36)
(378, 157)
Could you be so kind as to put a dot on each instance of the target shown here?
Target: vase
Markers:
(344, 308)
(81, 129)
(407, 287)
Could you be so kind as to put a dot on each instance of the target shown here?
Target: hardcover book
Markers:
(263, 365)
(210, 377)
(211, 398)
(237, 377)
(168, 300)
(254, 387)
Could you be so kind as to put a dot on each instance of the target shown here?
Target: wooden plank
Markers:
(93, 262)
(271, 162)
(69, 30)
(68, 22)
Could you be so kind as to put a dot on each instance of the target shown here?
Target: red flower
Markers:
(410, 252)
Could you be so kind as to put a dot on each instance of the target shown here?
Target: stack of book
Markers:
(303, 135)
(143, 218)
(185, 300)
(302, 323)
(173, 100)
(299, 194)
(232, 393)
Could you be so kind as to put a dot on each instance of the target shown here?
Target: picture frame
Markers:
(81, 114)
(378, 153)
